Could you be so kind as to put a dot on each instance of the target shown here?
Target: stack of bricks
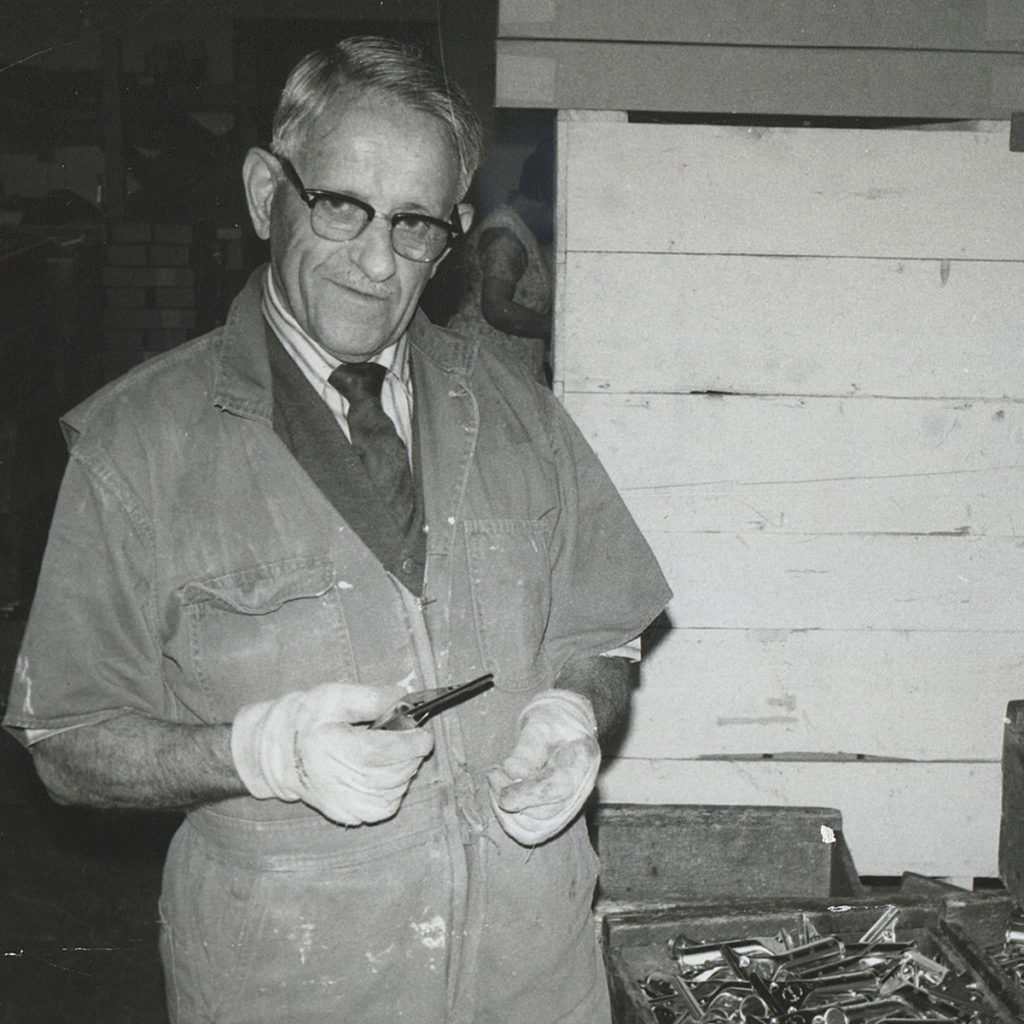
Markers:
(148, 290)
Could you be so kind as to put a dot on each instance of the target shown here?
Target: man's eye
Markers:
(416, 227)
(341, 207)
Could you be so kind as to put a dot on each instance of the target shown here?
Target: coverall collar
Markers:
(242, 385)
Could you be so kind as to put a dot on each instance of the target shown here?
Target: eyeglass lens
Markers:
(338, 219)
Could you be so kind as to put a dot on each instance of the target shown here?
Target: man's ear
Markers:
(259, 173)
(466, 213)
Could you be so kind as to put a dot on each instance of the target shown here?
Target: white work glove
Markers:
(303, 747)
(541, 786)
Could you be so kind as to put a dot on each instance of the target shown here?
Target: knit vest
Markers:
(309, 430)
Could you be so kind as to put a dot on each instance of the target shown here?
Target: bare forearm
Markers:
(607, 683)
(512, 318)
(500, 310)
(135, 762)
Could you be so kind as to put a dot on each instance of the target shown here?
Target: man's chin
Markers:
(355, 341)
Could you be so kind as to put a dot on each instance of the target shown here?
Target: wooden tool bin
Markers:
(1008, 972)
(717, 875)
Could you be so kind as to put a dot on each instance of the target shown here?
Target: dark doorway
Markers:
(267, 49)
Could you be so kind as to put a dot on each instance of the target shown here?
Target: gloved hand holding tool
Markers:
(307, 746)
(346, 750)
(542, 785)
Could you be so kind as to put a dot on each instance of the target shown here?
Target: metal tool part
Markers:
(412, 710)
(816, 980)
(884, 928)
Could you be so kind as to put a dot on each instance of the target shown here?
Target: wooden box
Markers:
(1011, 845)
(636, 942)
(1011, 828)
(718, 873)
(653, 853)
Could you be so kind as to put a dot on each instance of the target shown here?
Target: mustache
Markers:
(365, 286)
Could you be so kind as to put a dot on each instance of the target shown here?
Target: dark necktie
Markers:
(375, 439)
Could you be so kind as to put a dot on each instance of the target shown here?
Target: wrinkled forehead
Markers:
(352, 116)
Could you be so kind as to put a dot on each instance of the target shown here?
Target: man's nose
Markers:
(372, 251)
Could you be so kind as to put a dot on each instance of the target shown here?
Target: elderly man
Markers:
(269, 534)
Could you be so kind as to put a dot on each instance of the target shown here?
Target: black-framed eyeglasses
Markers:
(338, 217)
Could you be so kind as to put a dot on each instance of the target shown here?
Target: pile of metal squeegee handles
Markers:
(815, 979)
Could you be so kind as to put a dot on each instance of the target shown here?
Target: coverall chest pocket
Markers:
(264, 631)
(510, 579)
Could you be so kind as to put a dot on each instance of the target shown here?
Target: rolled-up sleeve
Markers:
(89, 651)
(607, 586)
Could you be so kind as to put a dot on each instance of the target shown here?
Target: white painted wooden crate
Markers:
(800, 354)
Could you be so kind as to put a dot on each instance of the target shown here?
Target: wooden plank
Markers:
(923, 696)
(785, 325)
(910, 24)
(981, 502)
(671, 852)
(698, 463)
(757, 581)
(791, 191)
(758, 81)
(936, 819)
(676, 442)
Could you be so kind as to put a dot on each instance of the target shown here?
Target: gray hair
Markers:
(362, 64)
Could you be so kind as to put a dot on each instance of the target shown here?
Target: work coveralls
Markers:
(193, 568)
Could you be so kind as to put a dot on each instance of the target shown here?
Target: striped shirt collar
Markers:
(317, 364)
